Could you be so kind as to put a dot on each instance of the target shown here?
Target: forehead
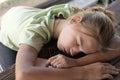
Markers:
(84, 33)
(79, 29)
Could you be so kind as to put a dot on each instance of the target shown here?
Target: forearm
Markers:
(102, 56)
(88, 59)
(41, 72)
(98, 57)
(28, 67)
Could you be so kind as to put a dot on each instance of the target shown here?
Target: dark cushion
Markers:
(115, 7)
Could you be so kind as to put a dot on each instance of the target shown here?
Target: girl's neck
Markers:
(58, 26)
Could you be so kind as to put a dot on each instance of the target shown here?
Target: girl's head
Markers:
(100, 22)
(94, 26)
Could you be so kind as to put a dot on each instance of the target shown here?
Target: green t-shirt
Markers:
(30, 25)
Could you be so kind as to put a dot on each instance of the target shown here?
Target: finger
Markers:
(47, 64)
(55, 62)
(59, 65)
(50, 60)
(107, 76)
(54, 57)
(107, 64)
(110, 70)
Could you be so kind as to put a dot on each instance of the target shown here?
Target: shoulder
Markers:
(19, 9)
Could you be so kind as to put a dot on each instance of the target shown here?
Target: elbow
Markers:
(23, 74)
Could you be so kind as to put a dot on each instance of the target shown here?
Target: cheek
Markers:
(61, 42)
(64, 41)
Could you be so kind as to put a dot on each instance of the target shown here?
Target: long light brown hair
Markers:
(100, 22)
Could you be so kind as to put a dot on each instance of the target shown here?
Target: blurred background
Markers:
(7, 4)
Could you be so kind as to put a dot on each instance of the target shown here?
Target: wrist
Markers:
(78, 73)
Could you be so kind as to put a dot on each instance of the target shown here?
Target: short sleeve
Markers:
(34, 36)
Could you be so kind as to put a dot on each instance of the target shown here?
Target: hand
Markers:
(99, 71)
(61, 61)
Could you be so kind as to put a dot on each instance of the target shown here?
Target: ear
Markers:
(76, 19)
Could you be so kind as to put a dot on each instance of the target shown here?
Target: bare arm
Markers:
(100, 56)
(26, 68)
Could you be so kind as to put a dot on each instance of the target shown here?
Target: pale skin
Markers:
(77, 42)
(29, 67)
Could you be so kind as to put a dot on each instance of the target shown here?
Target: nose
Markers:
(75, 51)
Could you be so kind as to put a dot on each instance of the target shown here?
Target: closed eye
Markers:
(79, 43)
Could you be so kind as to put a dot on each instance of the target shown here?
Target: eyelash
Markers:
(79, 45)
